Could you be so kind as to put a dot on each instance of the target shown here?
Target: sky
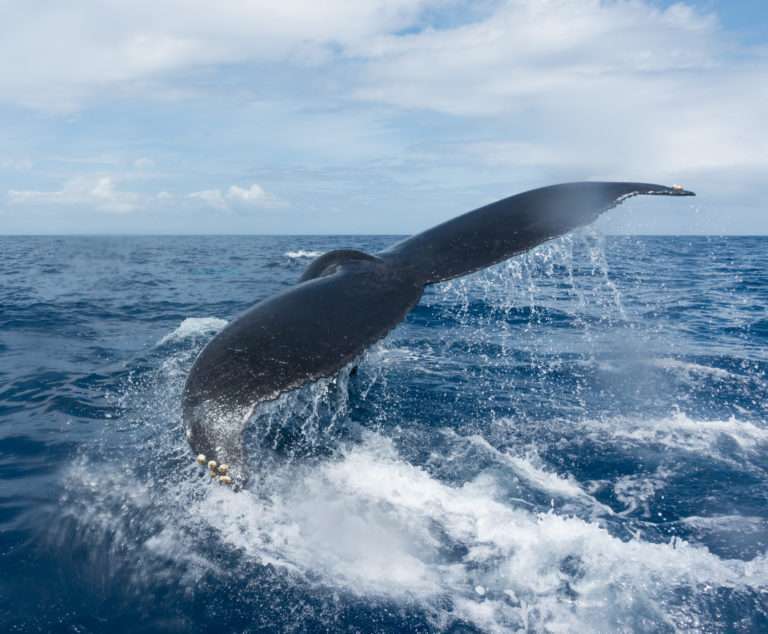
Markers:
(375, 116)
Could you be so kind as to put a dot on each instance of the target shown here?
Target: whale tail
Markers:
(347, 300)
(490, 234)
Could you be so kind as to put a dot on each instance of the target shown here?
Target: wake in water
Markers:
(490, 467)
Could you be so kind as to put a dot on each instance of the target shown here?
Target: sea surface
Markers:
(573, 441)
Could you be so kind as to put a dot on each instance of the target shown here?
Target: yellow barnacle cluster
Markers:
(215, 470)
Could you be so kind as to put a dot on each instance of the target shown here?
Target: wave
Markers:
(680, 432)
(370, 524)
(530, 468)
(301, 253)
(689, 367)
(497, 523)
(194, 327)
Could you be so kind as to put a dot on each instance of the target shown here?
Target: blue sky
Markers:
(378, 116)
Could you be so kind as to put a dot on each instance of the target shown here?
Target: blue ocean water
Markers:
(575, 440)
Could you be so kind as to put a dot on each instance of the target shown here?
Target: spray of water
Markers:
(481, 529)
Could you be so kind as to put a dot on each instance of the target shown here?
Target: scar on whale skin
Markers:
(347, 300)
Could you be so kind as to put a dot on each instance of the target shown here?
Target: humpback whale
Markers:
(347, 299)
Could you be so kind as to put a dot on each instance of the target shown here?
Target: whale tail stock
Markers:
(496, 232)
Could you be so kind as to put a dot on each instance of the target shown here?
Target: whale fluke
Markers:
(508, 227)
(347, 300)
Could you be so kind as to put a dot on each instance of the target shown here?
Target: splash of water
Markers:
(483, 530)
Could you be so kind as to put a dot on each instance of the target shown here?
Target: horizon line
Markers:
(331, 235)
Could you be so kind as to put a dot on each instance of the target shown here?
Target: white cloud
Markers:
(98, 193)
(143, 163)
(212, 197)
(54, 56)
(516, 154)
(253, 195)
(610, 87)
(236, 197)
(618, 77)
(15, 164)
(521, 93)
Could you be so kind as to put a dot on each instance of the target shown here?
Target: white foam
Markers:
(194, 327)
(690, 368)
(530, 468)
(740, 523)
(637, 491)
(374, 524)
(301, 253)
(387, 355)
(681, 432)
(371, 524)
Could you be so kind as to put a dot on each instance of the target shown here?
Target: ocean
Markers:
(575, 440)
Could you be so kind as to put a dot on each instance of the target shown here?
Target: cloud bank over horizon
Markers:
(374, 116)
